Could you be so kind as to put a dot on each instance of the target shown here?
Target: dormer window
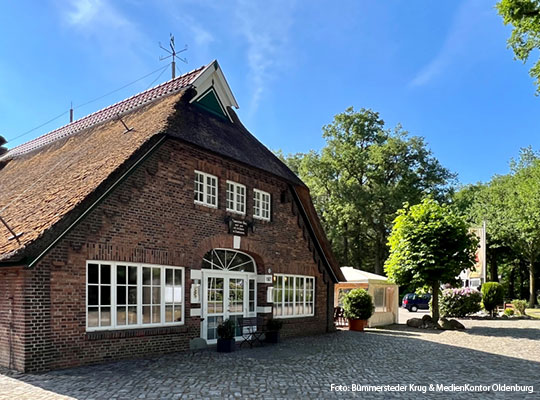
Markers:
(206, 189)
(236, 197)
(261, 205)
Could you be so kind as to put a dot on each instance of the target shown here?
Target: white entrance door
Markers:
(226, 296)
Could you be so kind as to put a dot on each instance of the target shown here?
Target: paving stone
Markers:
(486, 353)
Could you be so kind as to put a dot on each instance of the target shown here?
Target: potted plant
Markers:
(273, 326)
(358, 307)
(226, 333)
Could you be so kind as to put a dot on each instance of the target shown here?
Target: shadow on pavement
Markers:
(301, 367)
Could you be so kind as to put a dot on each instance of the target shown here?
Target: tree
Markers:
(430, 245)
(362, 177)
(510, 205)
(524, 15)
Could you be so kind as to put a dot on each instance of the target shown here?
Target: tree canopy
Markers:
(510, 206)
(524, 16)
(361, 178)
(429, 245)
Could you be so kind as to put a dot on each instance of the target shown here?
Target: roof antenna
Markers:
(14, 235)
(174, 54)
(123, 123)
(71, 113)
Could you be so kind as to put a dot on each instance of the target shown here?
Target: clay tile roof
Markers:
(106, 114)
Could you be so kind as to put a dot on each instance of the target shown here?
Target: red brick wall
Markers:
(12, 317)
(151, 218)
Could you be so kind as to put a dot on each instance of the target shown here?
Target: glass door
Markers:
(225, 297)
(235, 300)
(214, 307)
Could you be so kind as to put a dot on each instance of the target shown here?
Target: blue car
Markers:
(414, 302)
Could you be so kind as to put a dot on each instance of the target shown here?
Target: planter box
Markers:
(271, 337)
(225, 345)
(357, 324)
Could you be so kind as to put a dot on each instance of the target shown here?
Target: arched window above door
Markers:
(228, 260)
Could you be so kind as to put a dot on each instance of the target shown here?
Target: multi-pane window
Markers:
(99, 295)
(121, 295)
(126, 295)
(205, 189)
(236, 197)
(261, 204)
(293, 295)
(252, 295)
(151, 295)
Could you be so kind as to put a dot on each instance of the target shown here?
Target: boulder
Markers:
(415, 323)
(451, 324)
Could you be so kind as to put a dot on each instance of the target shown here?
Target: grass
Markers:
(533, 312)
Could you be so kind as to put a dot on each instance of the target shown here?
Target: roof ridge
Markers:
(106, 113)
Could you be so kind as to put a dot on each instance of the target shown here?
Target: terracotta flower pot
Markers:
(357, 324)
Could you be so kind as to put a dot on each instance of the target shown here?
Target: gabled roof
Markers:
(49, 183)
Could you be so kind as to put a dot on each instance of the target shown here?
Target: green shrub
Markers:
(509, 312)
(492, 296)
(274, 325)
(226, 330)
(358, 304)
(460, 302)
(520, 306)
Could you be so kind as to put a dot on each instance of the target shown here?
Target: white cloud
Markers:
(266, 31)
(463, 36)
(107, 29)
(93, 15)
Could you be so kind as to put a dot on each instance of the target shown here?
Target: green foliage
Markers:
(226, 330)
(274, 325)
(509, 312)
(460, 302)
(524, 15)
(492, 296)
(361, 178)
(509, 204)
(358, 304)
(429, 245)
(520, 306)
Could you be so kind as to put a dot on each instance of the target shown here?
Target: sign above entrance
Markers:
(237, 227)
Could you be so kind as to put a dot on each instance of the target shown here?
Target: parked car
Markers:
(414, 302)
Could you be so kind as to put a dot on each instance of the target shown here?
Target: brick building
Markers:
(142, 226)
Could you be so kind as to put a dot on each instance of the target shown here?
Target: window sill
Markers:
(207, 205)
(261, 219)
(293, 316)
(135, 332)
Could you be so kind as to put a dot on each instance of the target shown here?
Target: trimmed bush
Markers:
(460, 302)
(509, 312)
(520, 306)
(358, 304)
(492, 296)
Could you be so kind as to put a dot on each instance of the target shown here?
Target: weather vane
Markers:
(174, 54)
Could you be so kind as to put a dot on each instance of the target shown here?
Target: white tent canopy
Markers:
(356, 275)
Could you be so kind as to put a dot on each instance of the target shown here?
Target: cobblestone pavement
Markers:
(488, 352)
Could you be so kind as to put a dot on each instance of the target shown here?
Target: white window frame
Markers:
(282, 302)
(114, 326)
(206, 189)
(236, 203)
(258, 208)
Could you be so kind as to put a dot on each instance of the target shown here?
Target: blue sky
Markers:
(441, 69)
